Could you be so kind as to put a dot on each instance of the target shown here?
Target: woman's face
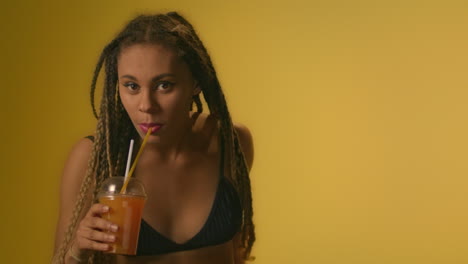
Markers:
(156, 89)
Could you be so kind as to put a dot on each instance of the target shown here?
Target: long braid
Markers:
(198, 103)
(111, 80)
(104, 169)
(59, 258)
(240, 177)
(108, 139)
(111, 47)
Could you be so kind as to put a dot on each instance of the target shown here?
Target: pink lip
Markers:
(146, 126)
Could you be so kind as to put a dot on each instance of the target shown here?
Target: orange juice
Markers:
(125, 211)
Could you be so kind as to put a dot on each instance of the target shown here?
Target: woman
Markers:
(195, 166)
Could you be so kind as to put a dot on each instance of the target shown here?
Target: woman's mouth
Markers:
(146, 126)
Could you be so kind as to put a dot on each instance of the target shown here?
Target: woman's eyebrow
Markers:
(155, 79)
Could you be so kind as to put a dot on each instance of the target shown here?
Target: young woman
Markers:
(195, 166)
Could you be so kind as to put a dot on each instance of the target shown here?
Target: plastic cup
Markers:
(125, 210)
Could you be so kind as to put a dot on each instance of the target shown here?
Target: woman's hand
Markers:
(92, 233)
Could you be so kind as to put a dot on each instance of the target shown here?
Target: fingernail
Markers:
(114, 228)
(105, 209)
(111, 238)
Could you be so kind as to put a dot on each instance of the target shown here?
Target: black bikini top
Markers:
(223, 222)
(221, 225)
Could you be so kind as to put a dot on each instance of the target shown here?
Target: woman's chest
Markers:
(180, 198)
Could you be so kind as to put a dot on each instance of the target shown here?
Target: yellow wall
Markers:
(358, 109)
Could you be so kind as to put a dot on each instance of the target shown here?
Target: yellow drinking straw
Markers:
(124, 187)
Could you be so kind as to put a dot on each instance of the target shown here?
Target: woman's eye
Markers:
(131, 86)
(164, 86)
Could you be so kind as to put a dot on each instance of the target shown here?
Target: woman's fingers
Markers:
(93, 218)
(95, 235)
(92, 245)
(98, 223)
(97, 210)
(92, 232)
(91, 239)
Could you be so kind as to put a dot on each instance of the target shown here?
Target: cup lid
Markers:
(113, 186)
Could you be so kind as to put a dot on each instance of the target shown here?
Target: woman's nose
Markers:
(148, 103)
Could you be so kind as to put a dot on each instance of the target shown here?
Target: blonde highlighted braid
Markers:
(115, 129)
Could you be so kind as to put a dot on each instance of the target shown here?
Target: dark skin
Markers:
(179, 166)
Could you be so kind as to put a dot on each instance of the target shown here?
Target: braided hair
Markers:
(114, 127)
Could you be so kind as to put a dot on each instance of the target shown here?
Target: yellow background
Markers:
(358, 110)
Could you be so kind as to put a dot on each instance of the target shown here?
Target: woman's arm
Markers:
(72, 177)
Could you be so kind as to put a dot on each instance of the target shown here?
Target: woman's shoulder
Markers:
(77, 163)
(77, 160)
(82, 147)
(75, 170)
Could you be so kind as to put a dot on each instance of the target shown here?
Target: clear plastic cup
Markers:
(125, 210)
